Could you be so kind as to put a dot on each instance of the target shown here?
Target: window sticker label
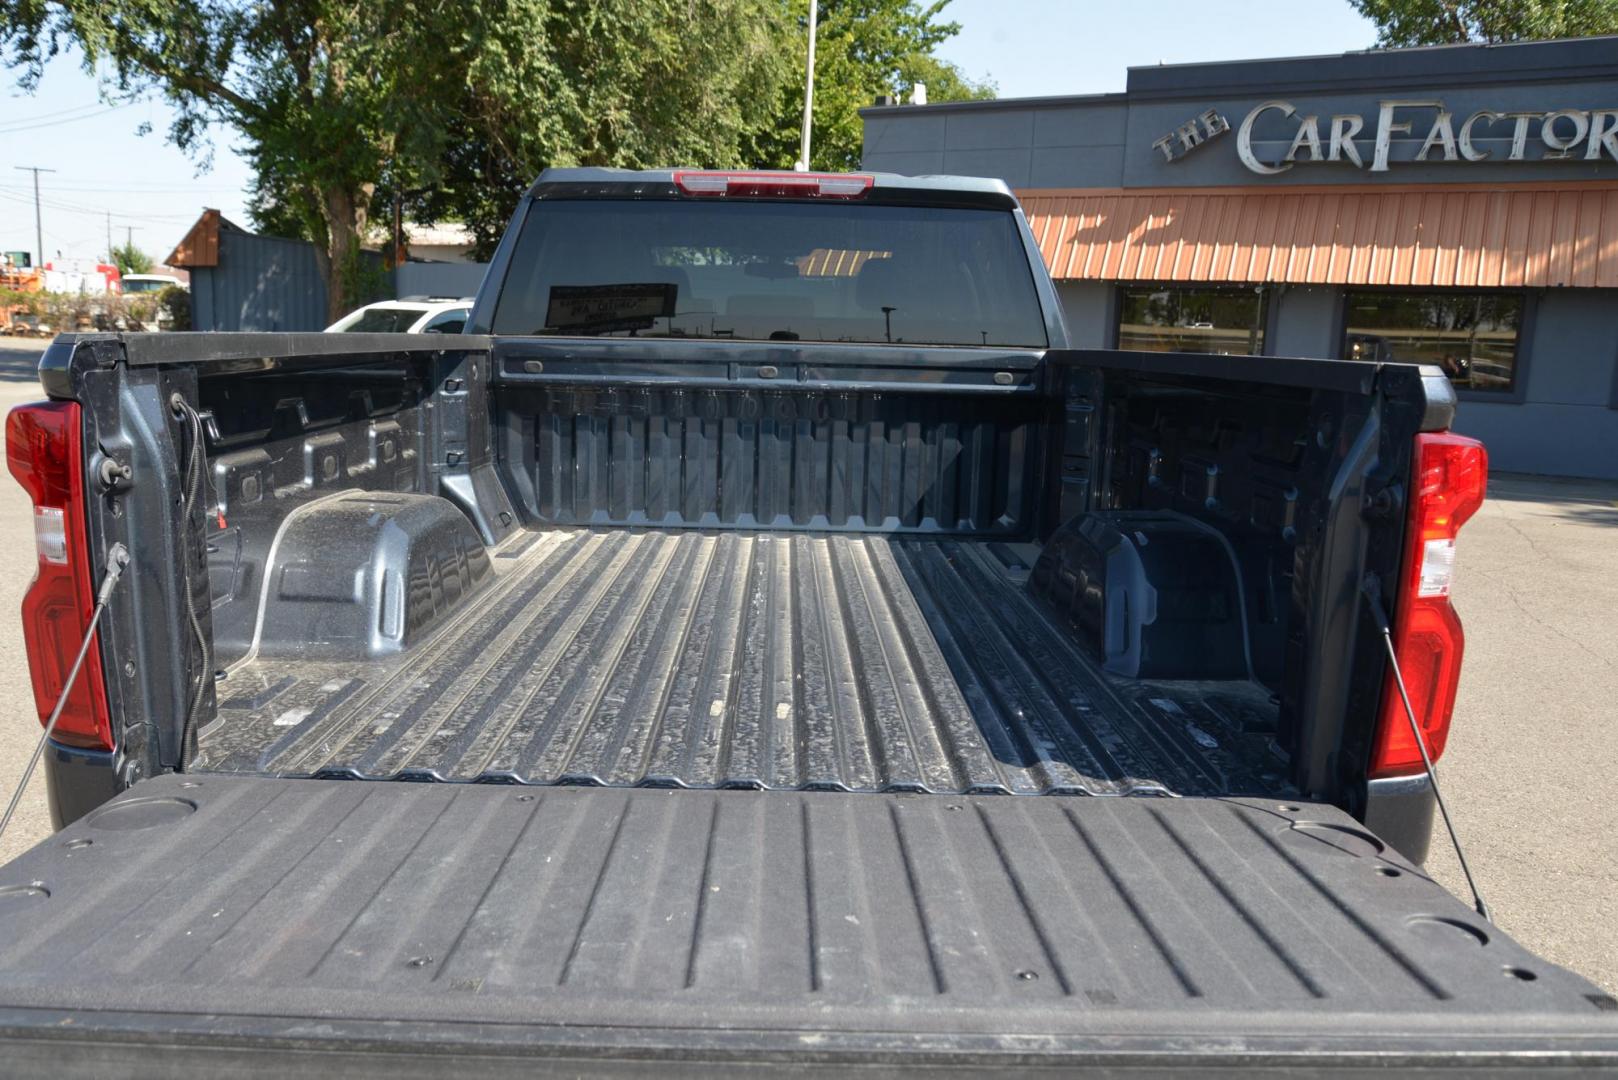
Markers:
(630, 306)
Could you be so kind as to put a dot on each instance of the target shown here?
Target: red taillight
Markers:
(774, 185)
(44, 449)
(1448, 479)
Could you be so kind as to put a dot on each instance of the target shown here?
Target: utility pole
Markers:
(39, 229)
(808, 90)
(109, 236)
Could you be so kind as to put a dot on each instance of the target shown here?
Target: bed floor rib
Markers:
(734, 659)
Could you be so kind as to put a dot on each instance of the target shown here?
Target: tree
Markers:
(618, 83)
(131, 260)
(174, 308)
(455, 108)
(637, 87)
(323, 93)
(1454, 22)
(863, 49)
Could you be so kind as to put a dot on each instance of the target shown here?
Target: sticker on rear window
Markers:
(599, 308)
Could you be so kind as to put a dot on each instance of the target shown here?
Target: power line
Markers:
(37, 124)
(87, 106)
(133, 188)
(80, 208)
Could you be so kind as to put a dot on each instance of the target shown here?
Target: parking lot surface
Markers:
(1531, 772)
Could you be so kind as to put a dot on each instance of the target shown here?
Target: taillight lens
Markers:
(44, 449)
(774, 185)
(1448, 480)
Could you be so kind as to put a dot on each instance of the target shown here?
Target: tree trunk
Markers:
(339, 264)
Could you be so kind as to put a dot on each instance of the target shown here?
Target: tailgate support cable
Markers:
(1372, 589)
(117, 559)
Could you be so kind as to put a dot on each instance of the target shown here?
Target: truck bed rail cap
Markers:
(197, 346)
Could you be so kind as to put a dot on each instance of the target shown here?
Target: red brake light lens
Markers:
(774, 185)
(44, 449)
(1448, 481)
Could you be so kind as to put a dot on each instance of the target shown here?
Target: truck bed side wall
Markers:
(281, 431)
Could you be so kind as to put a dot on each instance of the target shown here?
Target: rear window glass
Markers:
(763, 271)
(383, 321)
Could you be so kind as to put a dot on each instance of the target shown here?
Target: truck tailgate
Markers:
(225, 921)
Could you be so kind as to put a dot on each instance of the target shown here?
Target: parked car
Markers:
(762, 644)
(412, 315)
(134, 284)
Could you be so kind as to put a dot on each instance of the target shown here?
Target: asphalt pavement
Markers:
(19, 724)
(1531, 771)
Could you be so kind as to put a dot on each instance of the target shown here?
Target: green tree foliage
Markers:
(174, 308)
(321, 93)
(456, 107)
(1454, 22)
(623, 83)
(863, 49)
(704, 83)
(131, 260)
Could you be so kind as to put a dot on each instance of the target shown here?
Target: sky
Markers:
(109, 175)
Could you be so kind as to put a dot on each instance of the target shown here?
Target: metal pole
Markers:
(39, 229)
(129, 237)
(808, 90)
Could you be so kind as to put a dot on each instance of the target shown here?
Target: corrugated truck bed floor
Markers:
(668, 658)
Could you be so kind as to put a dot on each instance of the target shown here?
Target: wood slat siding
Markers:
(1449, 236)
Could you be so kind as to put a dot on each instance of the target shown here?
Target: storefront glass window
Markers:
(1472, 336)
(1227, 321)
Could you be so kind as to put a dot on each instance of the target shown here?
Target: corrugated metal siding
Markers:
(265, 283)
(438, 279)
(1538, 236)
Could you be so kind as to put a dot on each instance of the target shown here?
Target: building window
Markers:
(1227, 321)
(1472, 336)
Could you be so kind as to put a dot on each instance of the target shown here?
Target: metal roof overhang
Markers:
(1536, 235)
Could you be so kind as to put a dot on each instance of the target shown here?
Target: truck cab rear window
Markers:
(762, 271)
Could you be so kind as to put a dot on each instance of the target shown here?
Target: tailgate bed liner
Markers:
(734, 659)
(730, 922)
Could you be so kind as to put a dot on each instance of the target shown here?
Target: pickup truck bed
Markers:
(763, 926)
(702, 516)
(775, 660)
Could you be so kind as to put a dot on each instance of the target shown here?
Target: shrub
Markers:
(174, 308)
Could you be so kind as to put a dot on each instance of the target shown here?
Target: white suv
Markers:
(412, 315)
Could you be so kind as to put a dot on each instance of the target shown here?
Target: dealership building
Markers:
(1455, 206)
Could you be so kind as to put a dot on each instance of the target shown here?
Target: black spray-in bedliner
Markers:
(685, 659)
(814, 923)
